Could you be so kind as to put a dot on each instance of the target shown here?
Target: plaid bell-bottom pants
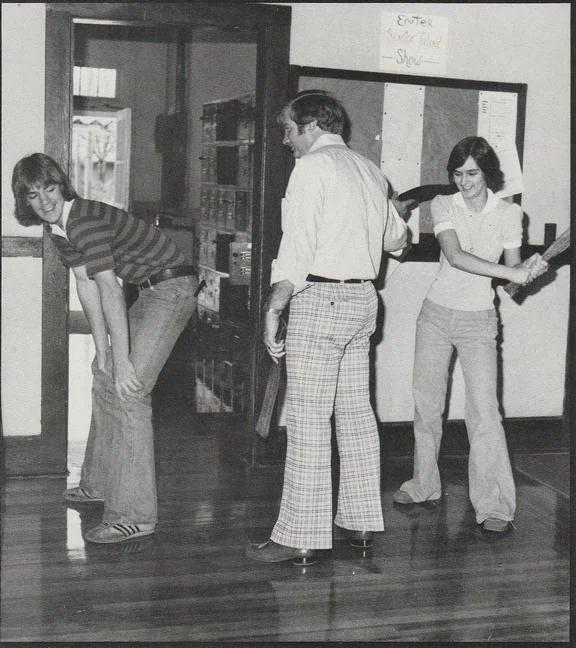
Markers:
(327, 363)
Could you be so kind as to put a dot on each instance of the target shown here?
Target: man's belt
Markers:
(168, 273)
(312, 277)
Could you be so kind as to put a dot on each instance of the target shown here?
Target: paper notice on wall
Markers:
(411, 43)
(402, 132)
(510, 164)
(497, 119)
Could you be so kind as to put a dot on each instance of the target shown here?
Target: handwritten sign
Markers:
(413, 43)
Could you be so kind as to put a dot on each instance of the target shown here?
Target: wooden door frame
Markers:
(46, 454)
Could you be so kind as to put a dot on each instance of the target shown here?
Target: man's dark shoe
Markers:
(272, 552)
(361, 539)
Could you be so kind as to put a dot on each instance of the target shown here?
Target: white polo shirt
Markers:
(486, 235)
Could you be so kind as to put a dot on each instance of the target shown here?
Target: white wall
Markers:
(23, 42)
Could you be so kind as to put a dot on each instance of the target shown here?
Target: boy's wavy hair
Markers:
(37, 170)
(319, 105)
(485, 157)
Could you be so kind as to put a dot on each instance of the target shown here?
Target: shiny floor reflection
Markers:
(431, 576)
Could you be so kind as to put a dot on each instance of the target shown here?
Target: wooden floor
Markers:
(431, 576)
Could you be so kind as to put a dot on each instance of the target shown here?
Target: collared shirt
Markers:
(333, 216)
(103, 237)
(56, 229)
(484, 234)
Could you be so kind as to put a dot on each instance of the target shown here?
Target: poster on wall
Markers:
(413, 43)
(497, 117)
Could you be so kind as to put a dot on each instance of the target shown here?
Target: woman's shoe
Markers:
(496, 525)
(402, 497)
(272, 552)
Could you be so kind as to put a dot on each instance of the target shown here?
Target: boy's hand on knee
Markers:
(126, 381)
(103, 362)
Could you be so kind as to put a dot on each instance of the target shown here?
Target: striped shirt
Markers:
(103, 237)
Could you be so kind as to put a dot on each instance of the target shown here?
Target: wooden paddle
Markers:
(554, 249)
(271, 391)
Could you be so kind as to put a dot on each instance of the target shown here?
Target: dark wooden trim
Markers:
(253, 16)
(385, 77)
(54, 405)
(78, 323)
(104, 11)
(523, 435)
(196, 14)
(22, 246)
(269, 187)
(428, 250)
(55, 276)
(569, 417)
(522, 94)
(535, 434)
(23, 456)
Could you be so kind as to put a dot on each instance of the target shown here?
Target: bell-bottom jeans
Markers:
(473, 334)
(119, 460)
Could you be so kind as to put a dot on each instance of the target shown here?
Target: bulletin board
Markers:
(408, 125)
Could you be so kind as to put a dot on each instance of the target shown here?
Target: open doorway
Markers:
(163, 23)
(163, 124)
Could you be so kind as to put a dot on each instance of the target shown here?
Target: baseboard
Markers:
(541, 434)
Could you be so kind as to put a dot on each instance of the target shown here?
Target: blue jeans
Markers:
(473, 333)
(119, 460)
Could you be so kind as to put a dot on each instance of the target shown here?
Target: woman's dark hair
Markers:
(35, 170)
(485, 157)
(319, 105)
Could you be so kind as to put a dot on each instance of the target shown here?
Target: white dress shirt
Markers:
(333, 216)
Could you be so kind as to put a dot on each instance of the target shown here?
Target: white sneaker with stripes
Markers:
(110, 532)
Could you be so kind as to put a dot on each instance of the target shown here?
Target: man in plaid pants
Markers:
(337, 220)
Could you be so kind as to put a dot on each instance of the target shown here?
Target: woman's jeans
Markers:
(473, 334)
(119, 461)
